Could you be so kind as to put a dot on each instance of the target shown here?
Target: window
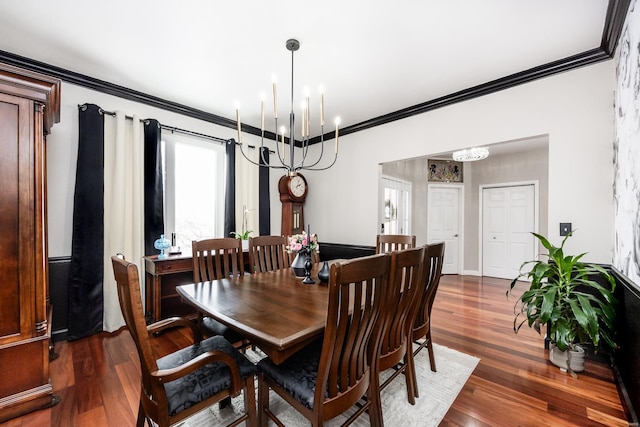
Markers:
(194, 187)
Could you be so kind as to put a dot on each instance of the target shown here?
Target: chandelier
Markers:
(290, 163)
(471, 154)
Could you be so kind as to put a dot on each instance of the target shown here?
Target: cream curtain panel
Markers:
(247, 191)
(124, 205)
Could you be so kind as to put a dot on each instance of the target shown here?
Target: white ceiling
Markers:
(372, 57)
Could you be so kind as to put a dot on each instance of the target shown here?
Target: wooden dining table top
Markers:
(274, 310)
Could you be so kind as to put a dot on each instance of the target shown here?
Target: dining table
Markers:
(274, 310)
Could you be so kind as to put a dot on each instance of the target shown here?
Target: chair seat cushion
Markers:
(212, 328)
(296, 375)
(205, 382)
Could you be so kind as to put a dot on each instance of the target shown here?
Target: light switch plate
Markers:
(565, 228)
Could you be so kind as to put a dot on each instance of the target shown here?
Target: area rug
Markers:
(437, 390)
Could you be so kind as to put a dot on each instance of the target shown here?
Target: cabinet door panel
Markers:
(15, 166)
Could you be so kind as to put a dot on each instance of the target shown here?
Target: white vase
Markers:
(564, 359)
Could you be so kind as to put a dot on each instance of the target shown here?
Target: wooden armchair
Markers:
(331, 375)
(394, 242)
(213, 366)
(422, 324)
(406, 284)
(215, 259)
(267, 253)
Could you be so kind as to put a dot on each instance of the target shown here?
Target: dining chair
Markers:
(422, 324)
(394, 242)
(333, 374)
(188, 380)
(215, 259)
(268, 253)
(404, 290)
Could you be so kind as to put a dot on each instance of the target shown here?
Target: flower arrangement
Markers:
(299, 241)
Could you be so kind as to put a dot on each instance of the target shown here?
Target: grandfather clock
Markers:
(293, 192)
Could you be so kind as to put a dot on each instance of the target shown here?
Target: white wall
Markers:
(573, 108)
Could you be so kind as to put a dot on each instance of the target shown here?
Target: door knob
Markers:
(455, 235)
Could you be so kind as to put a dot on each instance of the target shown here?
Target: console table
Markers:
(161, 278)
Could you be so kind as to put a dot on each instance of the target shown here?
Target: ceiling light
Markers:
(471, 154)
(289, 161)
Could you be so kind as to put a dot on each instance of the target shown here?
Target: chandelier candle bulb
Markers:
(337, 123)
(275, 98)
(262, 114)
(238, 122)
(321, 106)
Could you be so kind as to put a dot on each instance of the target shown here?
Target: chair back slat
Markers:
(394, 242)
(268, 253)
(356, 293)
(406, 284)
(435, 257)
(215, 259)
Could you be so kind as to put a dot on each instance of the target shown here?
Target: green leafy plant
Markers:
(564, 295)
(244, 235)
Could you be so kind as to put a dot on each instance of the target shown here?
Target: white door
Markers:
(508, 218)
(443, 223)
(396, 207)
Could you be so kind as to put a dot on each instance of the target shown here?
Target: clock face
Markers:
(297, 186)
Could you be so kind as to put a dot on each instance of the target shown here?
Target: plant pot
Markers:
(566, 359)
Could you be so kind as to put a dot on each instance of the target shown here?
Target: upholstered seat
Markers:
(298, 374)
(205, 382)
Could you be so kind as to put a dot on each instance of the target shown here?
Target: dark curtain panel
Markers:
(87, 243)
(264, 205)
(153, 186)
(230, 190)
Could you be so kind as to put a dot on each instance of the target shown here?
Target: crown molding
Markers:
(614, 22)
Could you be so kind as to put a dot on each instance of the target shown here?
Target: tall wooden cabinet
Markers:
(29, 106)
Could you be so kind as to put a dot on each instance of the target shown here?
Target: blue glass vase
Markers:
(162, 244)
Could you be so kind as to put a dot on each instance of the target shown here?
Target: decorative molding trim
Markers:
(614, 21)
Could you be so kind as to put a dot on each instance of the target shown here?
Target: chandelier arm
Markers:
(323, 168)
(258, 164)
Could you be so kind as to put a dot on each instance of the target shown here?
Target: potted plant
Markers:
(246, 233)
(563, 295)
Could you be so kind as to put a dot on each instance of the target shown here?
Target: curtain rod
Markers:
(188, 132)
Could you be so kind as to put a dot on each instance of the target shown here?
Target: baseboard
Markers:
(471, 273)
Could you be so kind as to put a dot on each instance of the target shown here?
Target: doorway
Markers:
(444, 205)
(395, 212)
(509, 214)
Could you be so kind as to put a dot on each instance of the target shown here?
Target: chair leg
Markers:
(263, 401)
(410, 376)
(141, 416)
(250, 401)
(375, 408)
(432, 359)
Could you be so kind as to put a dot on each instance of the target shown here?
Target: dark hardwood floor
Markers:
(98, 377)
